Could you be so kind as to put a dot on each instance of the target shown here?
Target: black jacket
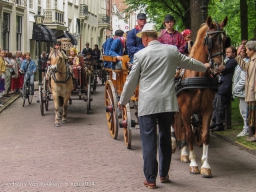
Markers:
(225, 87)
(87, 51)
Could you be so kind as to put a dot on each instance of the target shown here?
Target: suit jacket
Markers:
(225, 87)
(154, 69)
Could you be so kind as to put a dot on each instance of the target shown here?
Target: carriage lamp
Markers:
(39, 20)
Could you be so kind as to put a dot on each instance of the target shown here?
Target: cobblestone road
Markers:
(81, 156)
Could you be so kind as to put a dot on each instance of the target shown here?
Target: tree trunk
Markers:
(197, 18)
(244, 19)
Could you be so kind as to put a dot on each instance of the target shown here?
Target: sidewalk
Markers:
(7, 101)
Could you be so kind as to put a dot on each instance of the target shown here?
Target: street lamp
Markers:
(39, 19)
(204, 11)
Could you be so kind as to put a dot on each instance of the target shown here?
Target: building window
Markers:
(56, 4)
(31, 4)
(6, 31)
(69, 24)
(48, 4)
(19, 32)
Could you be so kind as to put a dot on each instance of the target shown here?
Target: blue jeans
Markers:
(148, 134)
(118, 65)
(32, 77)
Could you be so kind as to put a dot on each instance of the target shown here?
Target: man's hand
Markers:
(208, 65)
(221, 67)
(119, 58)
(120, 106)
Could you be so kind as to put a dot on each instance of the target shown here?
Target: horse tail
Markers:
(179, 127)
(61, 101)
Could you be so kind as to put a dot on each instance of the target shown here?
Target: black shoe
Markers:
(212, 126)
(218, 129)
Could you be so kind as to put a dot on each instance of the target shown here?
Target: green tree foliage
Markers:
(180, 9)
(156, 10)
(231, 8)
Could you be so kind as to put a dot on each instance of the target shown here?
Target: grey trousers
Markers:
(8, 78)
(244, 113)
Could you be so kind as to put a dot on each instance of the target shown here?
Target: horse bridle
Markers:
(209, 42)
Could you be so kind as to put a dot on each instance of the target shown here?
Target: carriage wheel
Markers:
(24, 94)
(41, 101)
(111, 109)
(94, 83)
(126, 125)
(46, 96)
(89, 94)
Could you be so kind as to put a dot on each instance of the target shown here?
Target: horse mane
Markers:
(199, 39)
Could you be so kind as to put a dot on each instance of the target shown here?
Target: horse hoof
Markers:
(206, 173)
(184, 159)
(194, 170)
(57, 125)
(63, 121)
(59, 118)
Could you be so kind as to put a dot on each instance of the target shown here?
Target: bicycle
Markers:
(26, 91)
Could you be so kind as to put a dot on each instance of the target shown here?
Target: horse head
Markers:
(216, 41)
(56, 58)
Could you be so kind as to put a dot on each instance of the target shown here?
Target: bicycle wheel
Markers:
(41, 101)
(29, 96)
(89, 94)
(24, 94)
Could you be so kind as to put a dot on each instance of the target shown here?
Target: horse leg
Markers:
(190, 139)
(184, 155)
(57, 112)
(205, 168)
(173, 139)
(64, 110)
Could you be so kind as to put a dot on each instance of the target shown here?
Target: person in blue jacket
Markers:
(117, 48)
(133, 43)
(28, 67)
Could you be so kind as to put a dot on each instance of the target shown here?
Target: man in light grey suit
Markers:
(154, 69)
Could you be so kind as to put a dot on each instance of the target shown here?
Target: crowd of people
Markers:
(11, 79)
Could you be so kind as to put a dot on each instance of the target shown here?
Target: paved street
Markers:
(81, 155)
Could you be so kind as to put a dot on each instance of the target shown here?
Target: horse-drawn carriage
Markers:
(113, 89)
(77, 81)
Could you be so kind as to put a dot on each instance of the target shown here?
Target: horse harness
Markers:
(202, 82)
(68, 74)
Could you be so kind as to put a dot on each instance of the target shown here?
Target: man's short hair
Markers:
(119, 33)
(87, 43)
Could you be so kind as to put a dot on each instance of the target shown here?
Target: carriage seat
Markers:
(125, 61)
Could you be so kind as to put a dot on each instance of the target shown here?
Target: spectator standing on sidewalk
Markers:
(239, 92)
(20, 75)
(14, 81)
(224, 93)
(250, 86)
(8, 72)
(2, 72)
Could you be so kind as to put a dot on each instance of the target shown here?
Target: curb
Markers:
(253, 152)
(9, 102)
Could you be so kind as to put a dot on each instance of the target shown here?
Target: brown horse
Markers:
(197, 91)
(61, 85)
